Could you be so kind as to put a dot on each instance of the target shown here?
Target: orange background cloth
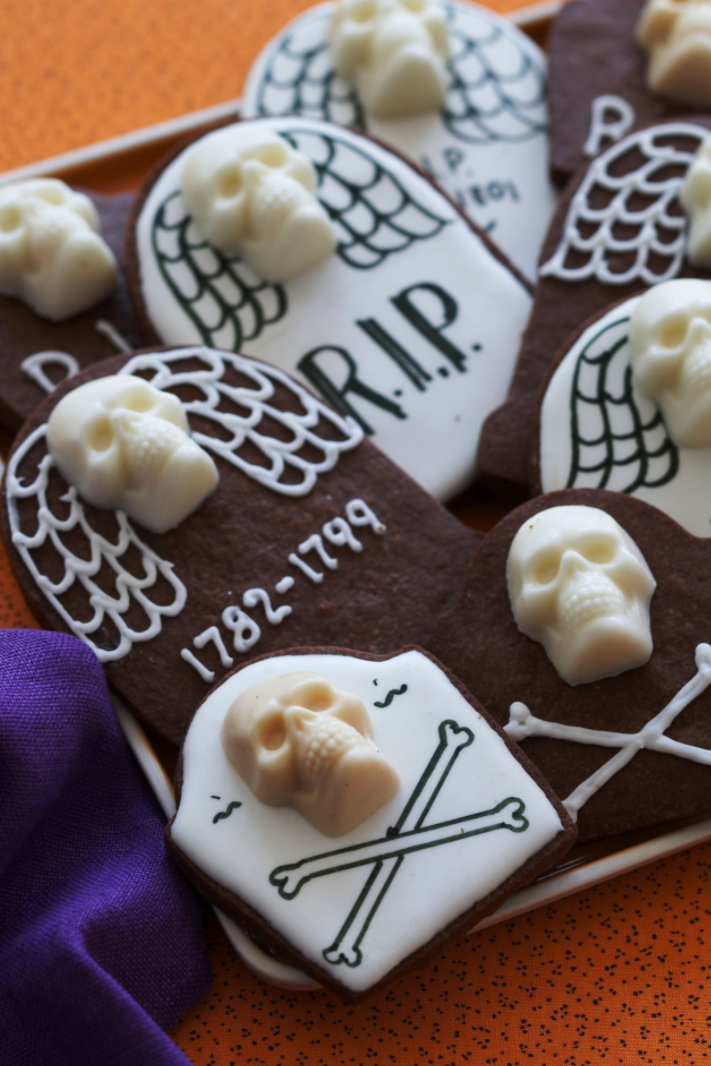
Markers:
(618, 975)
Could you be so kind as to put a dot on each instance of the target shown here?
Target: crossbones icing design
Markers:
(676, 34)
(52, 255)
(394, 51)
(251, 193)
(465, 817)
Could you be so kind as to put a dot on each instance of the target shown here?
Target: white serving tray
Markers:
(132, 155)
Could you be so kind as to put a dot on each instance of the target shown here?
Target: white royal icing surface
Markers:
(605, 218)
(237, 411)
(412, 303)
(434, 886)
(621, 444)
(488, 147)
(523, 724)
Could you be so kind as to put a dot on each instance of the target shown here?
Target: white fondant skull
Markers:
(676, 34)
(580, 586)
(695, 198)
(394, 51)
(298, 742)
(51, 253)
(123, 444)
(251, 194)
(670, 351)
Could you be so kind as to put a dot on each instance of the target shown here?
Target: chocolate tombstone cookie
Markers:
(409, 322)
(468, 821)
(618, 230)
(310, 533)
(37, 353)
(485, 142)
(598, 76)
(627, 751)
(596, 429)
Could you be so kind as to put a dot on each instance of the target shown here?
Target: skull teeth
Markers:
(152, 449)
(278, 198)
(697, 371)
(327, 742)
(591, 600)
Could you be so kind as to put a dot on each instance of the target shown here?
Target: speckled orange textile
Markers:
(619, 975)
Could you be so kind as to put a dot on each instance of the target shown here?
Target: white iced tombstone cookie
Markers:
(670, 351)
(124, 444)
(580, 586)
(695, 197)
(676, 34)
(298, 742)
(394, 52)
(252, 194)
(52, 256)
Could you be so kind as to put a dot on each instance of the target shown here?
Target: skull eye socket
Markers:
(599, 550)
(316, 696)
(271, 731)
(229, 182)
(273, 155)
(100, 434)
(545, 567)
(10, 218)
(671, 332)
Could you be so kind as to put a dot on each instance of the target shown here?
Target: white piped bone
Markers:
(290, 878)
(346, 947)
(523, 724)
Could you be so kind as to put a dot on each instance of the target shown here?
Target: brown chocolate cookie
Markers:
(619, 228)
(469, 819)
(311, 534)
(597, 88)
(36, 354)
(664, 769)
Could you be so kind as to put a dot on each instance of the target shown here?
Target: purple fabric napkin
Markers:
(101, 944)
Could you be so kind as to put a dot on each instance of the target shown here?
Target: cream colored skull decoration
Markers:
(695, 198)
(676, 34)
(251, 194)
(298, 742)
(52, 256)
(394, 51)
(580, 586)
(123, 444)
(670, 351)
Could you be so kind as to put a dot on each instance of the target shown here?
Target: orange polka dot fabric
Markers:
(618, 975)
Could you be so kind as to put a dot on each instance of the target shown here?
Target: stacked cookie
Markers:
(321, 335)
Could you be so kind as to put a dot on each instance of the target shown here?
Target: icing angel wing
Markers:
(298, 77)
(374, 214)
(624, 223)
(253, 416)
(618, 438)
(227, 303)
(110, 588)
(497, 86)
